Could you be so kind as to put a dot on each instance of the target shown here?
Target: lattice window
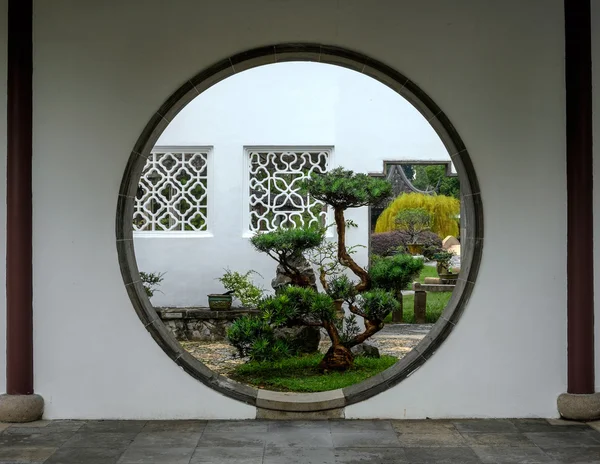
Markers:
(275, 199)
(173, 192)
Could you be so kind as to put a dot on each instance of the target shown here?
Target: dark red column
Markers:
(19, 327)
(580, 260)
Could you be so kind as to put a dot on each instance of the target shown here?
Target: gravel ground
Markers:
(393, 339)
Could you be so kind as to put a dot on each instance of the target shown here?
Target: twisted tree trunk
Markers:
(345, 258)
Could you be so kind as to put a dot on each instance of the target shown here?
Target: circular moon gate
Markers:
(471, 218)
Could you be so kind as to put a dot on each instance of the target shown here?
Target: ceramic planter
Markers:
(219, 302)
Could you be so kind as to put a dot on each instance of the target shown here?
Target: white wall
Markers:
(103, 68)
(286, 104)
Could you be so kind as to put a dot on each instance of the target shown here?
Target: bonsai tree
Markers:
(300, 304)
(443, 259)
(413, 221)
(287, 246)
(342, 189)
(394, 273)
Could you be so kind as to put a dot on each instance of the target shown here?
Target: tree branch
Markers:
(345, 258)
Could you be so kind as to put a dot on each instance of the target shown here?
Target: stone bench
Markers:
(200, 323)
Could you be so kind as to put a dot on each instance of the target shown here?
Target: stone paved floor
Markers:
(295, 442)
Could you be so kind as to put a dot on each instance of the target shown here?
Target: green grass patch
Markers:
(436, 302)
(300, 374)
(428, 271)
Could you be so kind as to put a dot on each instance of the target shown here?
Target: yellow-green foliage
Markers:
(444, 210)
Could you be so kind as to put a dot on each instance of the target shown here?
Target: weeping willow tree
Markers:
(444, 211)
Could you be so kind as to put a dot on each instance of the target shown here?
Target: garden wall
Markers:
(103, 68)
(283, 105)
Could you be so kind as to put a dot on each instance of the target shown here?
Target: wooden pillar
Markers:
(580, 402)
(580, 259)
(19, 404)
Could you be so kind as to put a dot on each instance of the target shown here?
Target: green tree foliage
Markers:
(393, 273)
(433, 178)
(286, 245)
(343, 189)
(151, 281)
(413, 221)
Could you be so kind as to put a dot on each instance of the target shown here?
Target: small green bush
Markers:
(377, 304)
(151, 281)
(393, 273)
(242, 287)
(341, 288)
(253, 337)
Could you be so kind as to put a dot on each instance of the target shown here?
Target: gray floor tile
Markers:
(487, 425)
(167, 439)
(512, 455)
(175, 426)
(575, 455)
(25, 454)
(246, 455)
(163, 455)
(448, 439)
(125, 426)
(497, 439)
(33, 437)
(28, 425)
(422, 426)
(237, 426)
(65, 425)
(116, 440)
(232, 439)
(359, 425)
(542, 425)
(564, 439)
(367, 440)
(85, 456)
(462, 455)
(299, 456)
(370, 456)
(275, 426)
(301, 438)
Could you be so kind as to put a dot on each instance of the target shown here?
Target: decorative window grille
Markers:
(275, 198)
(172, 194)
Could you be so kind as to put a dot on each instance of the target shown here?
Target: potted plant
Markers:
(241, 287)
(444, 258)
(413, 221)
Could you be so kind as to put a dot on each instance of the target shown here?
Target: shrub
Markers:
(151, 281)
(444, 211)
(393, 273)
(413, 221)
(254, 337)
(389, 243)
(341, 288)
(242, 287)
(377, 304)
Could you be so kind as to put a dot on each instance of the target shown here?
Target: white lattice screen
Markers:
(275, 200)
(172, 194)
